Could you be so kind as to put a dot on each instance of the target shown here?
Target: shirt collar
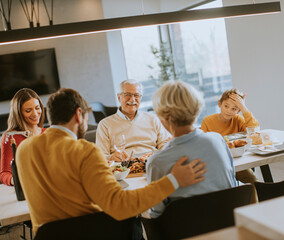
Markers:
(65, 129)
(124, 116)
(186, 137)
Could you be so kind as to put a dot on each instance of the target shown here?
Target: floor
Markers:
(277, 171)
(14, 232)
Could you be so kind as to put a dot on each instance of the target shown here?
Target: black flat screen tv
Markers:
(35, 69)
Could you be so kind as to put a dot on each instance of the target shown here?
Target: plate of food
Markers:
(119, 172)
(137, 164)
(238, 147)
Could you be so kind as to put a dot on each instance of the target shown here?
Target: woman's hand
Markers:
(239, 101)
(12, 181)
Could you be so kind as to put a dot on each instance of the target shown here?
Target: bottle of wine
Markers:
(17, 184)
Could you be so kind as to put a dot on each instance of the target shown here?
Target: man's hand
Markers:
(119, 156)
(190, 173)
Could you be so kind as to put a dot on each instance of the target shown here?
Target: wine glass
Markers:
(119, 143)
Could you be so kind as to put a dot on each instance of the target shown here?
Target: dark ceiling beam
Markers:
(102, 25)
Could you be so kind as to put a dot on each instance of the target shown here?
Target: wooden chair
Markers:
(199, 214)
(269, 190)
(101, 111)
(93, 226)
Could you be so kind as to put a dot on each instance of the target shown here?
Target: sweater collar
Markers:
(65, 130)
(125, 117)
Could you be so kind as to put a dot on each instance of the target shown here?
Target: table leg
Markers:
(266, 173)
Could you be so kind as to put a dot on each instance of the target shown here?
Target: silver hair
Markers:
(178, 103)
(131, 82)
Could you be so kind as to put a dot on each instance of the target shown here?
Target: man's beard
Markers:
(81, 131)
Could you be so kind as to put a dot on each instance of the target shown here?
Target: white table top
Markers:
(251, 160)
(265, 218)
(135, 183)
(12, 210)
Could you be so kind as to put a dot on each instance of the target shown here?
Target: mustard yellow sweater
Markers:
(63, 177)
(237, 124)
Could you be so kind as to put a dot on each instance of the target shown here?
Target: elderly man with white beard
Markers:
(143, 131)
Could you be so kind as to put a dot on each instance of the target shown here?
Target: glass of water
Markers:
(119, 144)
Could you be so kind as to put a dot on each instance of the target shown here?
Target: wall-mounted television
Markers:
(34, 69)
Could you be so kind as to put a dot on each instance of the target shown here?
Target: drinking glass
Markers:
(119, 143)
(255, 135)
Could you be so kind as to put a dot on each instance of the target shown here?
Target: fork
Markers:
(129, 159)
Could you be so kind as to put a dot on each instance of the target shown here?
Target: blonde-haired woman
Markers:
(177, 105)
(26, 114)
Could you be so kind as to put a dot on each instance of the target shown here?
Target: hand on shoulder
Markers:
(190, 173)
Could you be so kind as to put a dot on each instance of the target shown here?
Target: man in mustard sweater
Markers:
(65, 176)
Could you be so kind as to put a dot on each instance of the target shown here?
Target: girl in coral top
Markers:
(228, 121)
(26, 114)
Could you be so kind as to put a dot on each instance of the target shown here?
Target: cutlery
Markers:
(129, 159)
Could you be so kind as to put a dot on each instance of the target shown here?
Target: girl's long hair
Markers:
(16, 120)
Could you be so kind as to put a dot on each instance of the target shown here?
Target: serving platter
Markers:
(132, 175)
(235, 136)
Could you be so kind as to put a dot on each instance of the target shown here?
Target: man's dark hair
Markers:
(62, 105)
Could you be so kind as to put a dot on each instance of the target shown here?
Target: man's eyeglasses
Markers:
(129, 95)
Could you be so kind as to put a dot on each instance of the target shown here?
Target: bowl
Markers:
(121, 175)
(238, 151)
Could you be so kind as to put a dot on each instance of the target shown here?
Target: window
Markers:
(199, 53)
(137, 44)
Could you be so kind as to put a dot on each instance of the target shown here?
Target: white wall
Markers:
(94, 64)
(83, 61)
(121, 8)
(64, 11)
(256, 48)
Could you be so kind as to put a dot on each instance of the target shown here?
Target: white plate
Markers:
(235, 136)
(270, 149)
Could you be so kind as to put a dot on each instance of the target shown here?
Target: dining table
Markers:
(14, 211)
(11, 210)
(265, 218)
(252, 160)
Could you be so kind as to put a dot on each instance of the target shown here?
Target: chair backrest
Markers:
(93, 226)
(0, 153)
(269, 190)
(199, 214)
(91, 136)
(101, 111)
